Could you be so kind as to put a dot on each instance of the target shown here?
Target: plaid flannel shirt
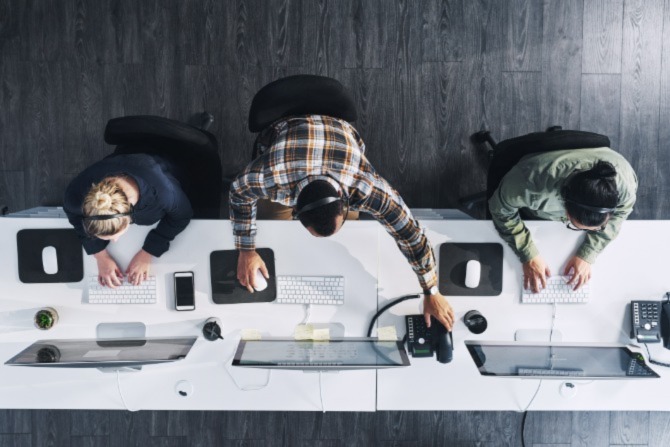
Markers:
(297, 150)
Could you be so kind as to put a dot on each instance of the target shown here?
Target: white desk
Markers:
(634, 266)
(352, 253)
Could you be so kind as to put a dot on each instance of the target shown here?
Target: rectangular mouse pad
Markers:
(30, 243)
(454, 257)
(226, 289)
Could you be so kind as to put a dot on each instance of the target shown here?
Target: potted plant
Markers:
(46, 318)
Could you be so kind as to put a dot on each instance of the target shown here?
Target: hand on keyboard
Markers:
(535, 274)
(109, 274)
(138, 269)
(579, 272)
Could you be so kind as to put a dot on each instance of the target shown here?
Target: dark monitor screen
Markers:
(96, 353)
(337, 354)
(558, 360)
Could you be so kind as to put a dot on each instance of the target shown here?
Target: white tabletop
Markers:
(352, 253)
(632, 267)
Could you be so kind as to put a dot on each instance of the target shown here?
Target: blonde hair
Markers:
(105, 198)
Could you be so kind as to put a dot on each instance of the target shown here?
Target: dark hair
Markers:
(321, 219)
(594, 188)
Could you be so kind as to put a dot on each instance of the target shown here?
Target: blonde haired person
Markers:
(108, 196)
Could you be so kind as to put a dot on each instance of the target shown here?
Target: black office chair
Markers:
(299, 95)
(504, 155)
(193, 150)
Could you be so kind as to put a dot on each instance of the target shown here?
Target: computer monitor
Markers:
(558, 360)
(336, 354)
(103, 353)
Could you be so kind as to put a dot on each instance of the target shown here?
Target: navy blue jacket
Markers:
(161, 199)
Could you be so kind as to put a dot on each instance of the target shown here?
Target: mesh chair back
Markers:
(508, 153)
(300, 95)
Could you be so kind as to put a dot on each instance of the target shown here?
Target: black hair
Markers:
(594, 188)
(322, 219)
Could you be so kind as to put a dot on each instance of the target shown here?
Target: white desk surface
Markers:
(352, 253)
(634, 266)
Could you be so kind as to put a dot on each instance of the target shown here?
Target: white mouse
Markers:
(473, 272)
(260, 281)
(49, 260)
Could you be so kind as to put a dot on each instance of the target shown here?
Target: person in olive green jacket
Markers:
(591, 190)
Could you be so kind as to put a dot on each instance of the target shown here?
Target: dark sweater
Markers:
(161, 199)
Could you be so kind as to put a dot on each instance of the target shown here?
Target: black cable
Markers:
(388, 306)
(523, 429)
(667, 365)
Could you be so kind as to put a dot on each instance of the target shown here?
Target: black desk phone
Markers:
(650, 321)
(423, 341)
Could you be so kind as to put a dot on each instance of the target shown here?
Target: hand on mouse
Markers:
(579, 271)
(109, 274)
(139, 268)
(535, 274)
(438, 306)
(247, 263)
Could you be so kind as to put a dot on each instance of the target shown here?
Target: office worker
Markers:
(590, 190)
(108, 196)
(315, 164)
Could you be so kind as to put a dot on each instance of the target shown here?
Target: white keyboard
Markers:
(551, 372)
(126, 293)
(310, 290)
(557, 291)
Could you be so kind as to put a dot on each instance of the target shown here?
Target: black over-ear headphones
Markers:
(110, 216)
(593, 209)
(324, 201)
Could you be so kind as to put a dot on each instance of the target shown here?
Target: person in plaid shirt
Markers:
(308, 159)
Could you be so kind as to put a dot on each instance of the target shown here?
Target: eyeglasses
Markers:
(572, 227)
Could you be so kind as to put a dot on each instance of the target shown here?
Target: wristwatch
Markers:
(432, 291)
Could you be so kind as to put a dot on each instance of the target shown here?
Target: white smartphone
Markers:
(184, 291)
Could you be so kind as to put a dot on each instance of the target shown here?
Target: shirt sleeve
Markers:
(387, 207)
(245, 191)
(504, 205)
(178, 213)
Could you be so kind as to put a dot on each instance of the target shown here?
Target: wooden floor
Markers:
(425, 75)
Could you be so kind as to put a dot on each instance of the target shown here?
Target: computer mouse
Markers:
(49, 260)
(260, 282)
(473, 271)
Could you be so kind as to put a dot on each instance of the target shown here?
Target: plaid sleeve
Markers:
(245, 191)
(388, 208)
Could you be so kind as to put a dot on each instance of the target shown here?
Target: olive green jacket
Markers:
(535, 184)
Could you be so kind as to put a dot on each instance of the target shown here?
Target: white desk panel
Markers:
(352, 253)
(632, 267)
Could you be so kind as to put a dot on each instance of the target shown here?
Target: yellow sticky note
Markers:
(251, 334)
(303, 332)
(387, 333)
(321, 334)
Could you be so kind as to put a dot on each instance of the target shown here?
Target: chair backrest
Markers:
(300, 95)
(194, 151)
(508, 153)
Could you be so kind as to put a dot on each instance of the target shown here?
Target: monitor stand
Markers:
(116, 331)
(537, 335)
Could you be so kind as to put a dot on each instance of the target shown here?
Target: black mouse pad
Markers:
(226, 289)
(30, 243)
(454, 257)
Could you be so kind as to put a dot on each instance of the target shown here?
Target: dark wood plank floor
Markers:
(425, 75)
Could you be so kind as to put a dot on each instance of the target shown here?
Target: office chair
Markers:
(193, 150)
(504, 155)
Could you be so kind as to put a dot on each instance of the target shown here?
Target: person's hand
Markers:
(139, 267)
(579, 271)
(535, 274)
(109, 274)
(438, 306)
(248, 263)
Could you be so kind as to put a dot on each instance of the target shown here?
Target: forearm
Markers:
(512, 230)
(595, 242)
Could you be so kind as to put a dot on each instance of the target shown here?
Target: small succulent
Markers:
(44, 319)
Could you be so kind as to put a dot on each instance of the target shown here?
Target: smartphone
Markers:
(184, 291)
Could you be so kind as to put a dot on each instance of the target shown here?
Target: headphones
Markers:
(324, 201)
(593, 209)
(111, 216)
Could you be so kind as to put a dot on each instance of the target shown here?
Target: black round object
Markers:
(211, 331)
(475, 322)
